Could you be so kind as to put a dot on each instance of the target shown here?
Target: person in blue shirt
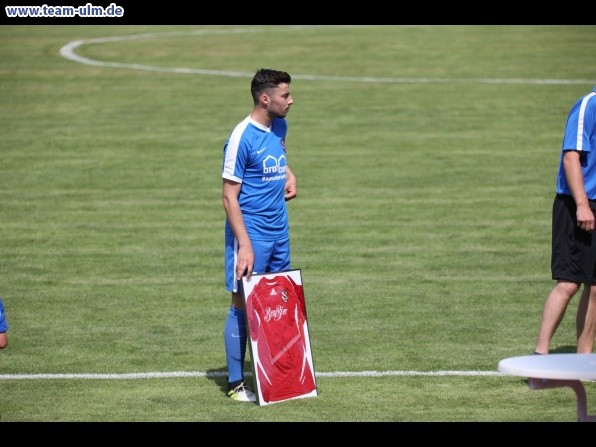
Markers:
(257, 183)
(3, 327)
(573, 258)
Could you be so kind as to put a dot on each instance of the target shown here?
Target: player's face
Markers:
(280, 101)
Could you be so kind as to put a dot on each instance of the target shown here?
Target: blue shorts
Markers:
(270, 257)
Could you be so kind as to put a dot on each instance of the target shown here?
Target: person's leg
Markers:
(553, 312)
(235, 341)
(235, 334)
(235, 324)
(235, 338)
(573, 259)
(3, 326)
(586, 321)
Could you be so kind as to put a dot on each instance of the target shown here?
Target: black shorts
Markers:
(573, 250)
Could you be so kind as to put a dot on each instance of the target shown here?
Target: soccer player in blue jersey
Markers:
(3, 327)
(573, 260)
(257, 183)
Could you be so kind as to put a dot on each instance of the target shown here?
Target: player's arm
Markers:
(246, 256)
(575, 180)
(3, 327)
(291, 184)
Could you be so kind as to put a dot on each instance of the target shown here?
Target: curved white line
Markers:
(68, 52)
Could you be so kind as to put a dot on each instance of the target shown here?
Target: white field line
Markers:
(177, 374)
(68, 52)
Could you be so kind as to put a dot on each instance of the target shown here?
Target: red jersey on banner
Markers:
(277, 325)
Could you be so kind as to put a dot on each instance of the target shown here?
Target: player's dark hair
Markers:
(266, 78)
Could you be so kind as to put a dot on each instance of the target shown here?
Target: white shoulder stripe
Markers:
(232, 150)
(580, 121)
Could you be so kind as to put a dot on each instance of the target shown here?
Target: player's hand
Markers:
(290, 187)
(245, 263)
(585, 218)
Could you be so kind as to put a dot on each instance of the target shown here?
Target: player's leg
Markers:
(571, 265)
(553, 313)
(586, 310)
(235, 324)
(3, 327)
(235, 334)
(586, 321)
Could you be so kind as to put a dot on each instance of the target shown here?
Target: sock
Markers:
(235, 344)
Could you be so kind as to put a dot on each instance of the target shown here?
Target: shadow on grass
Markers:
(220, 376)
(569, 349)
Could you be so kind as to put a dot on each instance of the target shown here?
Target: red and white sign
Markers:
(279, 339)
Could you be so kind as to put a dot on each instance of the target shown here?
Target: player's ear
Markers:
(265, 98)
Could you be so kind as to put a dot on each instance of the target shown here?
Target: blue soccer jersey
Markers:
(3, 324)
(255, 156)
(580, 135)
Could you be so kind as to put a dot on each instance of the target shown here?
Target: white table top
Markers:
(551, 366)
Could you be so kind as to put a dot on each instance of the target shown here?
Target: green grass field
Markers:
(426, 159)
